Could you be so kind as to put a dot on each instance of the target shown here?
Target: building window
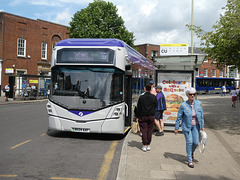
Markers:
(205, 60)
(221, 73)
(44, 50)
(154, 53)
(232, 72)
(205, 72)
(214, 73)
(21, 47)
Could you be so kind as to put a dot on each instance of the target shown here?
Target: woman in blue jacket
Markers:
(190, 115)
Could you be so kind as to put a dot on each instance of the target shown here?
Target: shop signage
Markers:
(9, 70)
(173, 49)
(33, 81)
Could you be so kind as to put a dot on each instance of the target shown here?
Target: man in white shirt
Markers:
(7, 90)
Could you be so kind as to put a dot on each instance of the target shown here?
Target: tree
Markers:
(100, 20)
(223, 44)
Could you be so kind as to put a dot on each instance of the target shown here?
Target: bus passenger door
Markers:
(128, 100)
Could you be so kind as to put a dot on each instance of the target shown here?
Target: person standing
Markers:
(7, 91)
(146, 106)
(153, 90)
(159, 111)
(224, 90)
(234, 97)
(190, 115)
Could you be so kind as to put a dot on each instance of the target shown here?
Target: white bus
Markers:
(91, 90)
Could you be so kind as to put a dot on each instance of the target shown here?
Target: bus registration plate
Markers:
(86, 130)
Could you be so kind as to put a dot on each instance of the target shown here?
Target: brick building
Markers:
(26, 46)
(149, 51)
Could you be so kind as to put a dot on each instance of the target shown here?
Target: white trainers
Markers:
(144, 149)
(148, 148)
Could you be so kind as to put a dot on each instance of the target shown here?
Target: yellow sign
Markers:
(173, 49)
(33, 81)
(173, 45)
(9, 70)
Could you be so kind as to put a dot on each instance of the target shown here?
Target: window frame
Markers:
(21, 47)
(221, 72)
(154, 53)
(205, 72)
(214, 72)
(44, 51)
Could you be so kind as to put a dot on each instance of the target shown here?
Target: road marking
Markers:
(43, 134)
(127, 129)
(8, 175)
(20, 144)
(107, 162)
(62, 178)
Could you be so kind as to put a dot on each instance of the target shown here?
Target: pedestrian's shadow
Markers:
(135, 144)
(178, 157)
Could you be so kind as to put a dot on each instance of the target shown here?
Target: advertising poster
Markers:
(173, 88)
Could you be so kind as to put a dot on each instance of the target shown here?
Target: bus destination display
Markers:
(86, 55)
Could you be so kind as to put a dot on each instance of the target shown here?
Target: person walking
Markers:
(7, 91)
(238, 95)
(234, 97)
(146, 106)
(159, 111)
(190, 115)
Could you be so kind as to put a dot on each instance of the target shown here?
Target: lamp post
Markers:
(192, 27)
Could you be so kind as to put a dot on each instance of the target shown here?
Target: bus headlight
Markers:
(117, 112)
(49, 108)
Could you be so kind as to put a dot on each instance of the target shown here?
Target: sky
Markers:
(151, 21)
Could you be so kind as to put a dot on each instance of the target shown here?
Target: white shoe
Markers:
(148, 148)
(144, 149)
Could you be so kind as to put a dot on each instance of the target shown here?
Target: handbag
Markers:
(4, 90)
(135, 127)
(202, 140)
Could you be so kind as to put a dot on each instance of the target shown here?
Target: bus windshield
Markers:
(86, 88)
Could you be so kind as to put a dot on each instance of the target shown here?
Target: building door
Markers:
(21, 83)
(12, 84)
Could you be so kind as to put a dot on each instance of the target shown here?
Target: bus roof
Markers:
(213, 78)
(133, 55)
(91, 42)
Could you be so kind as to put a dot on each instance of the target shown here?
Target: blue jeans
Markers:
(192, 139)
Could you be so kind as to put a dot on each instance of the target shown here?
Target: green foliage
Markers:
(100, 20)
(223, 44)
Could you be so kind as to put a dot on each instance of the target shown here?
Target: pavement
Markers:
(167, 157)
(18, 101)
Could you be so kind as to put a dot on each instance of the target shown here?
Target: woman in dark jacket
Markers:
(146, 106)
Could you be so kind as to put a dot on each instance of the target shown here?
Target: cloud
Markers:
(164, 21)
(63, 17)
(155, 21)
(49, 3)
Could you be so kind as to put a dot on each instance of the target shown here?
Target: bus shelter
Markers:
(175, 74)
(28, 86)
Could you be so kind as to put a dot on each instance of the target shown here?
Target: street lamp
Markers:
(192, 27)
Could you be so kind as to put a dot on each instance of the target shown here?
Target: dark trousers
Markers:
(146, 124)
